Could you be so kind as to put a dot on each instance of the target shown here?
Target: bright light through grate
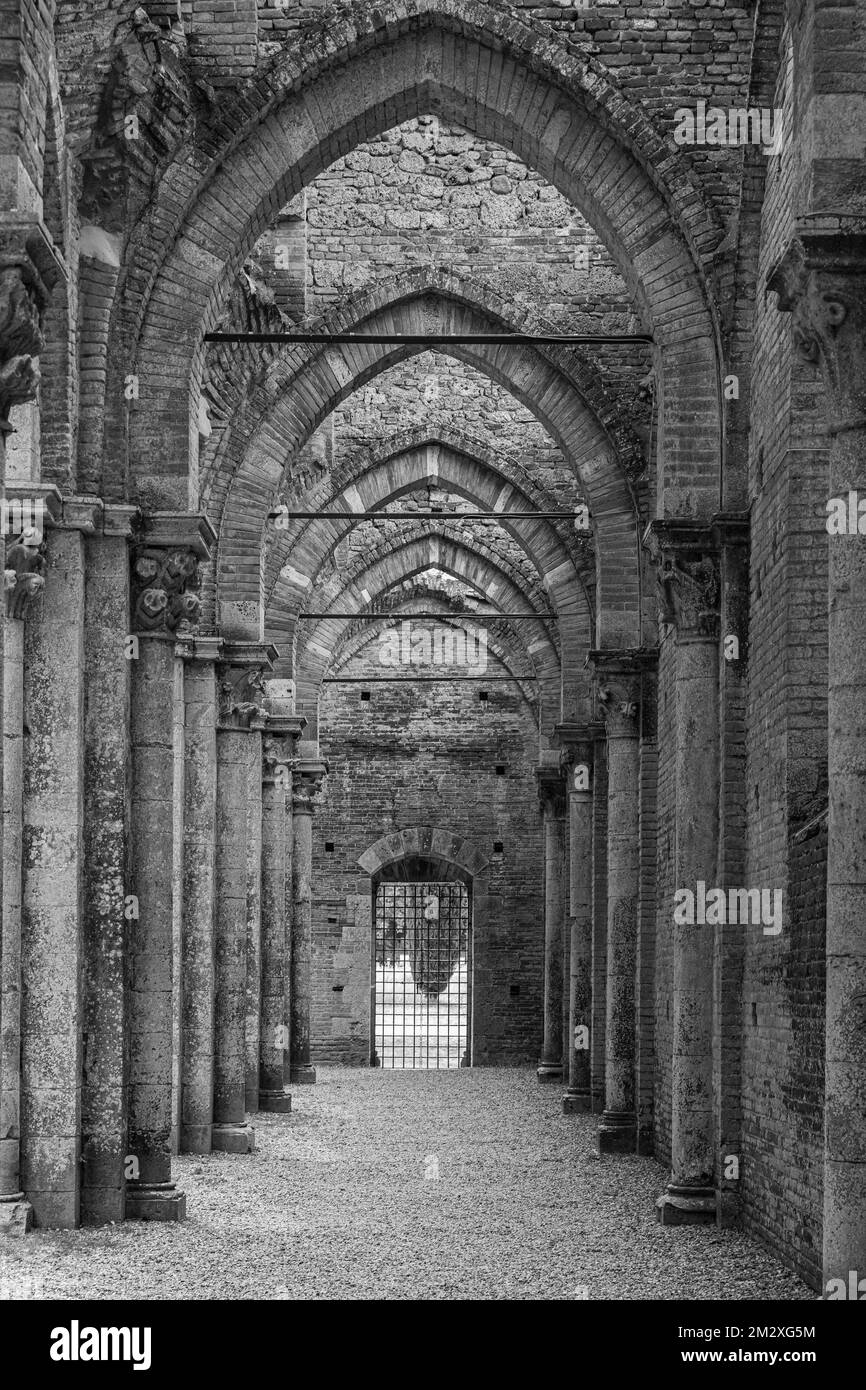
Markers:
(422, 975)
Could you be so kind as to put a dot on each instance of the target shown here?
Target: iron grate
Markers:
(422, 969)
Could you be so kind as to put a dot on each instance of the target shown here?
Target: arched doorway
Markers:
(429, 905)
(421, 976)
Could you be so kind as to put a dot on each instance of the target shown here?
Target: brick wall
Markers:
(427, 755)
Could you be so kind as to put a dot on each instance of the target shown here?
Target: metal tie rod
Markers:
(420, 516)
(450, 617)
(418, 680)
(490, 339)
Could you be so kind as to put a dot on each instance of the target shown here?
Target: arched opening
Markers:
(420, 1011)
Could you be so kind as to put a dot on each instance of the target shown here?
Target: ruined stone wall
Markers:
(782, 1000)
(427, 755)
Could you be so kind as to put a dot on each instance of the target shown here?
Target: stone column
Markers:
(28, 271)
(164, 608)
(199, 893)
(108, 913)
(689, 590)
(241, 718)
(16, 1215)
(253, 1020)
(579, 746)
(306, 786)
(551, 790)
(822, 278)
(619, 702)
(51, 936)
(277, 754)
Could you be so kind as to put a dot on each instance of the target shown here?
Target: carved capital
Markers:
(279, 744)
(29, 268)
(821, 282)
(240, 684)
(619, 680)
(24, 574)
(165, 573)
(307, 784)
(686, 561)
(550, 779)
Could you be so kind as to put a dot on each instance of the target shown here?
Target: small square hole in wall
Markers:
(482, 695)
(497, 846)
(514, 990)
(365, 694)
(329, 846)
(500, 769)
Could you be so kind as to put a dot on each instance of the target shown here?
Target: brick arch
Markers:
(424, 841)
(363, 72)
(478, 482)
(563, 694)
(544, 387)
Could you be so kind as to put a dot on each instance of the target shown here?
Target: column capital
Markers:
(242, 668)
(619, 675)
(166, 552)
(30, 267)
(685, 553)
(821, 280)
(307, 783)
(550, 780)
(577, 741)
(278, 745)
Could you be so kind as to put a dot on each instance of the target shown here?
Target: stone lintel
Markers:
(81, 514)
(261, 654)
(177, 531)
(199, 648)
(119, 519)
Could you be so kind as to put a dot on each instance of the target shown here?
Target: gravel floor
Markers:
(342, 1200)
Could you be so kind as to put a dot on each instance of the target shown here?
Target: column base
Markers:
(617, 1132)
(686, 1206)
(302, 1076)
(275, 1102)
(16, 1215)
(158, 1201)
(549, 1071)
(233, 1139)
(195, 1139)
(576, 1102)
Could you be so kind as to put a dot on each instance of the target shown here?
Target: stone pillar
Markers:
(199, 895)
(619, 702)
(164, 608)
(579, 746)
(28, 271)
(51, 936)
(241, 719)
(822, 278)
(15, 1214)
(277, 753)
(252, 1031)
(551, 790)
(107, 913)
(689, 590)
(306, 786)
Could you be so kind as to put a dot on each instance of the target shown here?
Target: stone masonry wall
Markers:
(427, 755)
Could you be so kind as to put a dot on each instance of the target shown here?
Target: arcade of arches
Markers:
(314, 647)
